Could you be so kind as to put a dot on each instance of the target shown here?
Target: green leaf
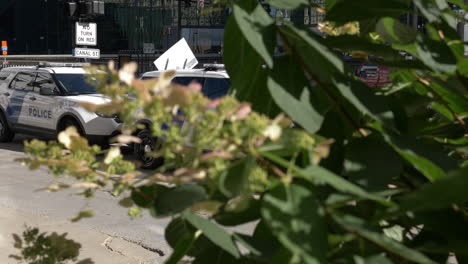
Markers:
(293, 214)
(285, 145)
(431, 9)
(281, 256)
(291, 92)
(250, 213)
(248, 242)
(441, 109)
(371, 163)
(365, 100)
(242, 60)
(440, 194)
(177, 228)
(145, 195)
(353, 43)
(257, 27)
(309, 50)
(234, 180)
(436, 55)
(454, 99)
(266, 242)
(429, 159)
(180, 228)
(316, 174)
(181, 248)
(392, 31)
(319, 175)
(291, 4)
(366, 9)
(462, 65)
(377, 259)
(460, 3)
(359, 227)
(174, 200)
(218, 256)
(213, 232)
(458, 247)
(333, 127)
(445, 230)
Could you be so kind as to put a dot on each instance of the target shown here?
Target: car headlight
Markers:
(113, 116)
(105, 115)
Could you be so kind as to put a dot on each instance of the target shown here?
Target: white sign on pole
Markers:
(87, 53)
(179, 56)
(86, 34)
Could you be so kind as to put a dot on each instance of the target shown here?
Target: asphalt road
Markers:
(118, 238)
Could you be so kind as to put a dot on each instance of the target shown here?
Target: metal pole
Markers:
(47, 26)
(179, 20)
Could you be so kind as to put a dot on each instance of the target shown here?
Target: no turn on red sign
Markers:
(86, 34)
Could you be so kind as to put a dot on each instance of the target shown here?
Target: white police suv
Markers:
(45, 99)
(213, 78)
(215, 84)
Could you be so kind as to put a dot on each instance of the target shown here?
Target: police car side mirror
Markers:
(47, 91)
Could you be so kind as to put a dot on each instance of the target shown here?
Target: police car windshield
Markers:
(75, 84)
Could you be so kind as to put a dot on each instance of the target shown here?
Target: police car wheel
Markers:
(6, 135)
(147, 145)
(70, 122)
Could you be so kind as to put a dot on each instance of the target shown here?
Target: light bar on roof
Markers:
(213, 66)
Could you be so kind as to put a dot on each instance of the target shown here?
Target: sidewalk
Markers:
(100, 247)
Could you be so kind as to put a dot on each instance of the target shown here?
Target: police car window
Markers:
(75, 83)
(148, 77)
(187, 80)
(216, 87)
(43, 80)
(4, 75)
(23, 81)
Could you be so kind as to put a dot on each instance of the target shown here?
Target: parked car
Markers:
(215, 84)
(45, 99)
(213, 78)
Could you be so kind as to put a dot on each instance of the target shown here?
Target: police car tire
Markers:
(70, 122)
(139, 151)
(6, 135)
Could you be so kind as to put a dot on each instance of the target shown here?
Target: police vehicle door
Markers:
(42, 108)
(17, 110)
(5, 90)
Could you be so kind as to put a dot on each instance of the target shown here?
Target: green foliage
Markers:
(295, 218)
(43, 248)
(348, 174)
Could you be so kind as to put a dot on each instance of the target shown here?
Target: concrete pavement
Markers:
(108, 237)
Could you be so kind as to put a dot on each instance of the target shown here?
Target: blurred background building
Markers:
(140, 29)
(43, 26)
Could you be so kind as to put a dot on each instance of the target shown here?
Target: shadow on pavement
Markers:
(17, 143)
